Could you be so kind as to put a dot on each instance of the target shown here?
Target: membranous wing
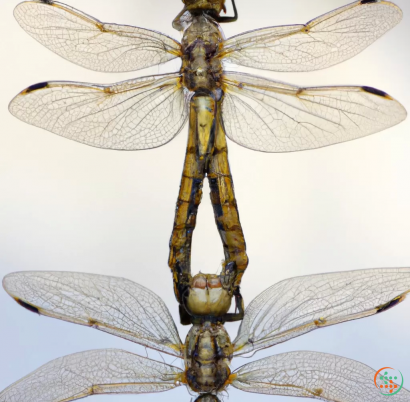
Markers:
(299, 305)
(93, 44)
(142, 113)
(269, 116)
(93, 372)
(313, 375)
(114, 305)
(322, 42)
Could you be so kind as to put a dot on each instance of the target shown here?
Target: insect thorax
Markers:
(200, 43)
(208, 352)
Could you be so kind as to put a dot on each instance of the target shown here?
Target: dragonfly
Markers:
(126, 309)
(254, 112)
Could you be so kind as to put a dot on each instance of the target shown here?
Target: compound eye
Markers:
(214, 283)
(199, 281)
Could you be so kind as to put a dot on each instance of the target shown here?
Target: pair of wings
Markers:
(123, 308)
(259, 114)
(106, 371)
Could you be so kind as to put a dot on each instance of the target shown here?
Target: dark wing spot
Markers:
(27, 306)
(390, 304)
(320, 322)
(377, 92)
(47, 1)
(318, 391)
(101, 27)
(369, 1)
(93, 323)
(35, 87)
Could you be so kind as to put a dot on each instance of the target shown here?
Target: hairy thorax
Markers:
(200, 43)
(208, 352)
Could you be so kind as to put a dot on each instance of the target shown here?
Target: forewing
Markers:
(142, 113)
(114, 305)
(322, 42)
(269, 116)
(91, 43)
(93, 372)
(313, 375)
(299, 305)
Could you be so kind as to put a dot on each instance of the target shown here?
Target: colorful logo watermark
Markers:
(389, 381)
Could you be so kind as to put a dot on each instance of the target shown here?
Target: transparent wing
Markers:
(322, 42)
(269, 116)
(142, 113)
(299, 305)
(93, 372)
(114, 305)
(313, 375)
(90, 43)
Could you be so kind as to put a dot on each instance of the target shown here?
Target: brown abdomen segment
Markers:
(200, 141)
(224, 204)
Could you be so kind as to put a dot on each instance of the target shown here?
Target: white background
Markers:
(66, 206)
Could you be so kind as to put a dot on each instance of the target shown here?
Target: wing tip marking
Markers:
(387, 306)
(27, 306)
(377, 92)
(388, 3)
(35, 87)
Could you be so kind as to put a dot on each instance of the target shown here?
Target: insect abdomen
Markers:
(200, 142)
(224, 204)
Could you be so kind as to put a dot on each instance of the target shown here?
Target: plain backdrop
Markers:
(66, 206)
